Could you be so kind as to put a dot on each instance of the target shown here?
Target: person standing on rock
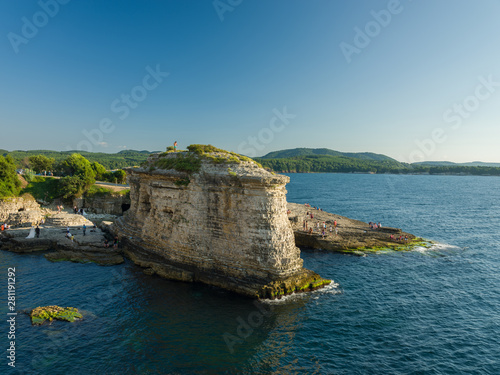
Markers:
(84, 229)
(175, 146)
(37, 231)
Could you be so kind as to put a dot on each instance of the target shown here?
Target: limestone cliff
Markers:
(20, 211)
(216, 217)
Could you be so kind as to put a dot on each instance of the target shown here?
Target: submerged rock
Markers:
(42, 313)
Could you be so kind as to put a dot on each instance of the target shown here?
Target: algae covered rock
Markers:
(42, 313)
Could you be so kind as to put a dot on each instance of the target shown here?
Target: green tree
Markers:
(74, 186)
(120, 176)
(77, 165)
(79, 176)
(9, 182)
(40, 163)
(99, 170)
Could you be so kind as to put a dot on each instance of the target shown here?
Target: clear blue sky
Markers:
(421, 69)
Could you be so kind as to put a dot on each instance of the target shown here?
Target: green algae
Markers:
(43, 313)
(303, 282)
(408, 246)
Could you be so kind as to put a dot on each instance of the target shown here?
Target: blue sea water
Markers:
(428, 311)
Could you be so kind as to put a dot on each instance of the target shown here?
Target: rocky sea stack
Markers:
(216, 217)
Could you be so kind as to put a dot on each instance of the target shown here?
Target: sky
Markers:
(414, 80)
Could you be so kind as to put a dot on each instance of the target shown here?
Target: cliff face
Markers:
(108, 205)
(223, 222)
(20, 211)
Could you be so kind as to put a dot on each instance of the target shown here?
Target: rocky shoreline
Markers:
(83, 248)
(353, 236)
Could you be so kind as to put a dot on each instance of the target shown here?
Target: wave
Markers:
(437, 248)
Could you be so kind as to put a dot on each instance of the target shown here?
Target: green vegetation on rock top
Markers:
(190, 161)
(40, 314)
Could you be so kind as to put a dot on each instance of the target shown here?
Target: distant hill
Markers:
(122, 159)
(306, 160)
(451, 164)
(298, 152)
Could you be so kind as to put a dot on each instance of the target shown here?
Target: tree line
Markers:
(77, 174)
(343, 164)
(122, 159)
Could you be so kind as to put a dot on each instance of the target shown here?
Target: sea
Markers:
(427, 311)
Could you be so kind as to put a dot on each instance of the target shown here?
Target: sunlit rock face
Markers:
(222, 222)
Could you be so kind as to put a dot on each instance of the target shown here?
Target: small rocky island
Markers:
(41, 314)
(208, 215)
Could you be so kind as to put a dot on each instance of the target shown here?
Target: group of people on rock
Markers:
(321, 228)
(314, 207)
(5, 226)
(80, 211)
(115, 242)
(400, 238)
(375, 225)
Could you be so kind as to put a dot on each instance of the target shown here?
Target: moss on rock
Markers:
(42, 313)
(304, 281)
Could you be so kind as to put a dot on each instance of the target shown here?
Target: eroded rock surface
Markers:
(217, 218)
(20, 211)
